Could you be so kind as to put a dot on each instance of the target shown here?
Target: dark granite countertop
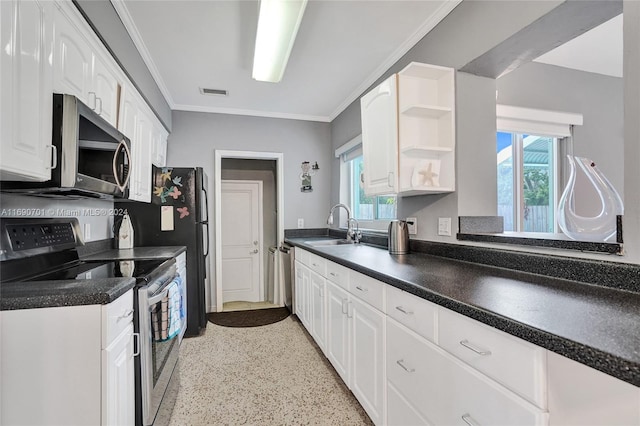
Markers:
(596, 326)
(57, 293)
(137, 253)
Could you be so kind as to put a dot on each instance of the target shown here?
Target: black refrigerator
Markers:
(178, 216)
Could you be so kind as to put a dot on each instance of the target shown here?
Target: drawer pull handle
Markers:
(332, 274)
(468, 345)
(315, 264)
(469, 420)
(400, 362)
(362, 289)
(404, 311)
(126, 315)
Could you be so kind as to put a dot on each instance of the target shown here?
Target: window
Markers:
(527, 181)
(367, 208)
(371, 212)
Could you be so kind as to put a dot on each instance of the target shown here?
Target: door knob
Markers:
(255, 243)
(253, 251)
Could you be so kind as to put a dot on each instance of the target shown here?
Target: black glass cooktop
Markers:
(96, 270)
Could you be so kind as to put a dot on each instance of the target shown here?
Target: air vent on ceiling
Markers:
(215, 92)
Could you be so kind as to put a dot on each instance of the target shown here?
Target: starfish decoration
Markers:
(177, 180)
(428, 175)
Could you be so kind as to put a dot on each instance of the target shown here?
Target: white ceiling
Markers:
(342, 47)
(598, 51)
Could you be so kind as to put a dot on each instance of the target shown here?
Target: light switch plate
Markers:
(444, 226)
(300, 223)
(413, 228)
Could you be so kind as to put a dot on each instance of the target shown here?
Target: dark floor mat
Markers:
(252, 318)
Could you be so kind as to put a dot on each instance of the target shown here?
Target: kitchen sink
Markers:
(328, 242)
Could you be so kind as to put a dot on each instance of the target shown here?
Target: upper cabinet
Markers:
(80, 69)
(49, 48)
(380, 138)
(26, 97)
(410, 139)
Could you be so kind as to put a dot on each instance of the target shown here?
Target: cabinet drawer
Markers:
(338, 274)
(447, 391)
(368, 289)
(399, 411)
(417, 314)
(318, 264)
(302, 256)
(518, 365)
(116, 316)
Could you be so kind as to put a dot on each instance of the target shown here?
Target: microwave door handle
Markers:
(121, 145)
(158, 297)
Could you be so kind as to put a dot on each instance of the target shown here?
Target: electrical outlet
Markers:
(300, 223)
(87, 231)
(413, 226)
(444, 226)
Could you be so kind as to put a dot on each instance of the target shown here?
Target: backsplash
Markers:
(97, 214)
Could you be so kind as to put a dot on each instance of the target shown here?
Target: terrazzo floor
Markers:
(269, 375)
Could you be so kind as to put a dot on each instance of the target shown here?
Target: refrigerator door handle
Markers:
(206, 253)
(206, 204)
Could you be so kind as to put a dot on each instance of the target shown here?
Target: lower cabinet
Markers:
(367, 357)
(75, 367)
(317, 289)
(118, 386)
(411, 362)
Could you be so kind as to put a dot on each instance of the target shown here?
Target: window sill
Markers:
(535, 239)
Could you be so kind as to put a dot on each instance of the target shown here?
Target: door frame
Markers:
(261, 266)
(217, 187)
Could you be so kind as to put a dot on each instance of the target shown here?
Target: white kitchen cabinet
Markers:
(72, 58)
(136, 124)
(26, 97)
(368, 358)
(338, 331)
(380, 138)
(445, 390)
(76, 367)
(582, 396)
(106, 90)
(426, 129)
(408, 132)
(303, 310)
(81, 68)
(159, 143)
(118, 393)
(318, 309)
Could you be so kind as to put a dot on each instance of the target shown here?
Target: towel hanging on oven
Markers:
(168, 314)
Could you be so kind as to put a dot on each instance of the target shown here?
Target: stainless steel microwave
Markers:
(92, 158)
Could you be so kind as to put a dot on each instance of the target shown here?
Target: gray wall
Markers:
(195, 136)
(597, 97)
(107, 24)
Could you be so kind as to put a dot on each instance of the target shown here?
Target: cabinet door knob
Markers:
(253, 251)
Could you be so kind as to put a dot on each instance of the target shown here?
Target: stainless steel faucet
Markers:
(351, 234)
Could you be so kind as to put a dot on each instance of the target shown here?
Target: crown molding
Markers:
(250, 112)
(444, 9)
(123, 12)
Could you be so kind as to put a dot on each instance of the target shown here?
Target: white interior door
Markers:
(241, 208)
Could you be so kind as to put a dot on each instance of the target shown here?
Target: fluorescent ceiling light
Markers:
(277, 28)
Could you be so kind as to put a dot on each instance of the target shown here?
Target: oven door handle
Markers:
(158, 297)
